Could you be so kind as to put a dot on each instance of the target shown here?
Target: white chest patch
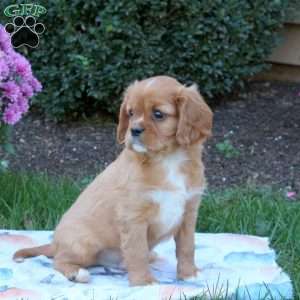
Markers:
(172, 202)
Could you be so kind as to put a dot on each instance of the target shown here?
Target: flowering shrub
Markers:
(17, 86)
(17, 83)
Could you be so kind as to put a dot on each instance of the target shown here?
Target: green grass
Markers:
(37, 202)
(257, 211)
(34, 202)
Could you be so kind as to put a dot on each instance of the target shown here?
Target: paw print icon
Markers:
(25, 31)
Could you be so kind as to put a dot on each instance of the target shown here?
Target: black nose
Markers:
(136, 131)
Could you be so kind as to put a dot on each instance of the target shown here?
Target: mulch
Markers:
(260, 125)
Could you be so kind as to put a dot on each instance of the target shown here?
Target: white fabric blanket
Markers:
(234, 265)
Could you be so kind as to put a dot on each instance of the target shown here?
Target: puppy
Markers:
(151, 192)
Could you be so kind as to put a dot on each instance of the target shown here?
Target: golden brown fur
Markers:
(122, 212)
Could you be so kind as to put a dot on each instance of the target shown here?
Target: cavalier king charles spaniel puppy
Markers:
(150, 193)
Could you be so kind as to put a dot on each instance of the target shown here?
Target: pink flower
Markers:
(10, 90)
(22, 104)
(5, 43)
(21, 65)
(26, 89)
(4, 69)
(11, 115)
(36, 85)
(291, 194)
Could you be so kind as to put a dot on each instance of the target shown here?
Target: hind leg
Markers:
(72, 271)
(73, 261)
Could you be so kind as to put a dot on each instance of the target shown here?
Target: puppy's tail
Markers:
(47, 250)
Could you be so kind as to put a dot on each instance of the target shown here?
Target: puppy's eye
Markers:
(130, 113)
(158, 115)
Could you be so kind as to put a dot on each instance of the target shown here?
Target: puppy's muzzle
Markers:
(137, 131)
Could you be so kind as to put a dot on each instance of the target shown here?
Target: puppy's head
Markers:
(159, 112)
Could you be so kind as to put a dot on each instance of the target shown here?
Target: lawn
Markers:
(37, 202)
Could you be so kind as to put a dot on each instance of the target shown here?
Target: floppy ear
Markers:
(195, 117)
(123, 121)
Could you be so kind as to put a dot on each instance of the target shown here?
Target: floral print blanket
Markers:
(240, 266)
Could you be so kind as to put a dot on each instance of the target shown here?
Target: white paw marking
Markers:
(83, 276)
(19, 259)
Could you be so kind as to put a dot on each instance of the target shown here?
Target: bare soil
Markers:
(256, 139)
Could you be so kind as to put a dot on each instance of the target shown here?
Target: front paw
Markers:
(142, 279)
(187, 271)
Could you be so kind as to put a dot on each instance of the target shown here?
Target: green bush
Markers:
(293, 11)
(92, 50)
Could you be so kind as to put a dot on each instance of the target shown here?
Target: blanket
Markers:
(232, 265)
